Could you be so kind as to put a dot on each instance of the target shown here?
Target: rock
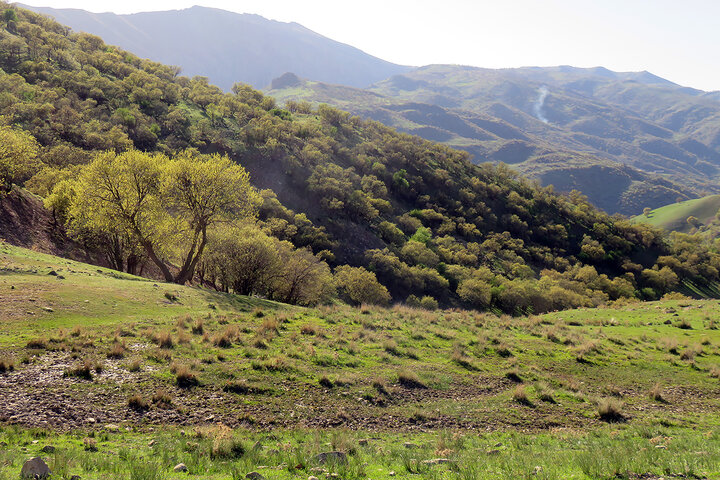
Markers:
(52, 273)
(392, 474)
(538, 470)
(312, 477)
(363, 442)
(151, 443)
(90, 420)
(48, 449)
(498, 445)
(48, 309)
(436, 461)
(337, 457)
(254, 476)
(75, 477)
(410, 445)
(494, 451)
(111, 427)
(35, 468)
(180, 468)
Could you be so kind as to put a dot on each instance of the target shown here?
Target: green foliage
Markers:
(18, 156)
(360, 286)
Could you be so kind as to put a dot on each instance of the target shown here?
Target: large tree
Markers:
(166, 204)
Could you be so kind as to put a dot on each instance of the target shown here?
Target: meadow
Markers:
(128, 377)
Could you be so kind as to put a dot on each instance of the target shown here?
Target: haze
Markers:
(675, 40)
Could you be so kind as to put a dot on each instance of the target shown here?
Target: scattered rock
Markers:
(35, 468)
(48, 309)
(254, 476)
(391, 473)
(325, 457)
(90, 420)
(312, 477)
(180, 468)
(48, 449)
(111, 427)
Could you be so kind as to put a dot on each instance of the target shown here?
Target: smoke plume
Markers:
(540, 103)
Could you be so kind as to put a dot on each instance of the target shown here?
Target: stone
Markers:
(35, 468)
(254, 476)
(312, 477)
(392, 474)
(337, 457)
(410, 445)
(90, 420)
(151, 443)
(538, 470)
(75, 477)
(363, 442)
(436, 461)
(52, 273)
(48, 449)
(111, 427)
(494, 451)
(180, 468)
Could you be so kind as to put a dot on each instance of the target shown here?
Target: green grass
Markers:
(674, 217)
(303, 376)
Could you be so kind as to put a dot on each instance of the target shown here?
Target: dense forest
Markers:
(340, 205)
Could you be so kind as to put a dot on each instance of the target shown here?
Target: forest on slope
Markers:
(431, 226)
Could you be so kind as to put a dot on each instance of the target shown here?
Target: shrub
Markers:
(360, 286)
(83, 370)
(7, 365)
(36, 344)
(428, 303)
(135, 365)
(164, 340)
(162, 399)
(309, 329)
(198, 327)
(655, 393)
(325, 382)
(117, 351)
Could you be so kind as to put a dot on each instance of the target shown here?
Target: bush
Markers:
(410, 380)
(428, 303)
(138, 403)
(185, 377)
(359, 286)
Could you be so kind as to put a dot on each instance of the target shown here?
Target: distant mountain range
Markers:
(229, 47)
(627, 140)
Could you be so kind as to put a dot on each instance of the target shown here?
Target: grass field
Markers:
(674, 217)
(90, 358)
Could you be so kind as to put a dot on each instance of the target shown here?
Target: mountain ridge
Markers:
(229, 47)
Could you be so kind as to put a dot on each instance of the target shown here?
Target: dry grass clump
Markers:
(226, 445)
(135, 365)
(544, 393)
(163, 339)
(198, 327)
(684, 324)
(162, 399)
(410, 380)
(36, 344)
(655, 393)
(76, 331)
(83, 370)
(269, 326)
(7, 365)
(138, 403)
(227, 338)
(325, 382)
(184, 376)
(183, 321)
(117, 351)
(309, 329)
(519, 395)
(610, 410)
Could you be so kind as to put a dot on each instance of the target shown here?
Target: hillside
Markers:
(674, 217)
(228, 47)
(589, 129)
(433, 227)
(162, 374)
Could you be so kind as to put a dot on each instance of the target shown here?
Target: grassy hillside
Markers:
(581, 136)
(674, 217)
(116, 361)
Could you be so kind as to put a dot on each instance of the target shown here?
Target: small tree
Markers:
(18, 157)
(646, 211)
(360, 286)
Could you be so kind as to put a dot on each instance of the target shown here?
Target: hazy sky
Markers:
(676, 39)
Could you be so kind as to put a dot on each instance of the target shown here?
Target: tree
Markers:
(646, 211)
(304, 278)
(166, 205)
(360, 286)
(475, 292)
(18, 157)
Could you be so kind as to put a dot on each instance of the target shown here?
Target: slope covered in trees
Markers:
(229, 47)
(627, 140)
(431, 226)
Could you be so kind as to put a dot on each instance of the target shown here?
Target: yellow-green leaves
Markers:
(18, 157)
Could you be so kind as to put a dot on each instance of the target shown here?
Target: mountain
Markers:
(627, 140)
(229, 47)
(432, 226)
(697, 215)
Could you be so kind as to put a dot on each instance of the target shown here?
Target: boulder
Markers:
(48, 449)
(326, 457)
(180, 468)
(35, 468)
(254, 476)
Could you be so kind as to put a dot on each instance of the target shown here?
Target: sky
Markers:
(677, 40)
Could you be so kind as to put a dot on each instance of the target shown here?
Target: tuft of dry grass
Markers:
(36, 344)
(185, 377)
(198, 327)
(610, 410)
(7, 364)
(135, 365)
(410, 380)
(164, 339)
(309, 329)
(162, 399)
(138, 403)
(519, 395)
(117, 351)
(655, 393)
